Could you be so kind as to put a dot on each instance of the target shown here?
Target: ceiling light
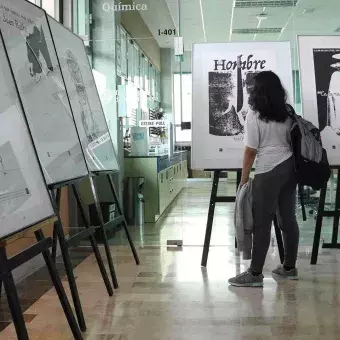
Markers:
(309, 10)
(262, 16)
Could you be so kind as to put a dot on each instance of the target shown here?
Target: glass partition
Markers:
(81, 18)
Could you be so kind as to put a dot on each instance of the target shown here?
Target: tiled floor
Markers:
(169, 296)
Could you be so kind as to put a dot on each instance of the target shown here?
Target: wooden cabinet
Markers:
(161, 187)
(170, 183)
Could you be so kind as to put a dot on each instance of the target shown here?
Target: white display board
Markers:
(220, 99)
(24, 199)
(37, 74)
(319, 58)
(84, 98)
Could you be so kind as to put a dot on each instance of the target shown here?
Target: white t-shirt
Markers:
(271, 140)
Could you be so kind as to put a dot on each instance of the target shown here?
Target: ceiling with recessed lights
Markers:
(241, 20)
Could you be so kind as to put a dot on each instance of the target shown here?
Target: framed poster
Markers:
(42, 91)
(24, 199)
(319, 58)
(84, 98)
(220, 96)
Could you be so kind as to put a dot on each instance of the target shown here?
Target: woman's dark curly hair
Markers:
(268, 97)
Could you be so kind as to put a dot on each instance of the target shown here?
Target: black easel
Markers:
(74, 240)
(327, 213)
(103, 226)
(7, 265)
(227, 199)
(118, 220)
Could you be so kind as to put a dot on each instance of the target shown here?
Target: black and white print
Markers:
(24, 199)
(319, 66)
(14, 191)
(327, 80)
(37, 74)
(229, 93)
(37, 52)
(227, 111)
(84, 99)
(222, 76)
(87, 116)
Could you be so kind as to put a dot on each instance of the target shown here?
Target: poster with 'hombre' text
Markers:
(221, 78)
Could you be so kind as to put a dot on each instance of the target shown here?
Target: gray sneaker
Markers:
(247, 279)
(288, 274)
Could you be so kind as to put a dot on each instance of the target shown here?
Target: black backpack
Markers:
(310, 158)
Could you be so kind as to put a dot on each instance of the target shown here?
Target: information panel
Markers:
(220, 96)
(320, 69)
(24, 199)
(37, 73)
(84, 98)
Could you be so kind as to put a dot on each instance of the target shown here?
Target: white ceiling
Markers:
(215, 20)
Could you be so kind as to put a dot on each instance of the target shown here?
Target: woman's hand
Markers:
(248, 161)
(243, 183)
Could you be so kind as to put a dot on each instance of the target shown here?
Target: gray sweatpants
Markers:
(275, 192)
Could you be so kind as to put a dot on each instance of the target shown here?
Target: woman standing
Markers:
(267, 139)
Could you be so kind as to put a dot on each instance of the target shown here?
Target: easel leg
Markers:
(106, 244)
(238, 181)
(210, 218)
(13, 300)
(120, 212)
(70, 275)
(279, 239)
(68, 265)
(337, 208)
(302, 202)
(93, 242)
(54, 245)
(318, 225)
(55, 234)
(60, 290)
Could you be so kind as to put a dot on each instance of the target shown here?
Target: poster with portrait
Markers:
(41, 89)
(222, 74)
(84, 99)
(319, 58)
(24, 199)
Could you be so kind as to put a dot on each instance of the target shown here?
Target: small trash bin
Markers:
(134, 201)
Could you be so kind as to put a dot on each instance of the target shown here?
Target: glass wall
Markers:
(81, 18)
(49, 5)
